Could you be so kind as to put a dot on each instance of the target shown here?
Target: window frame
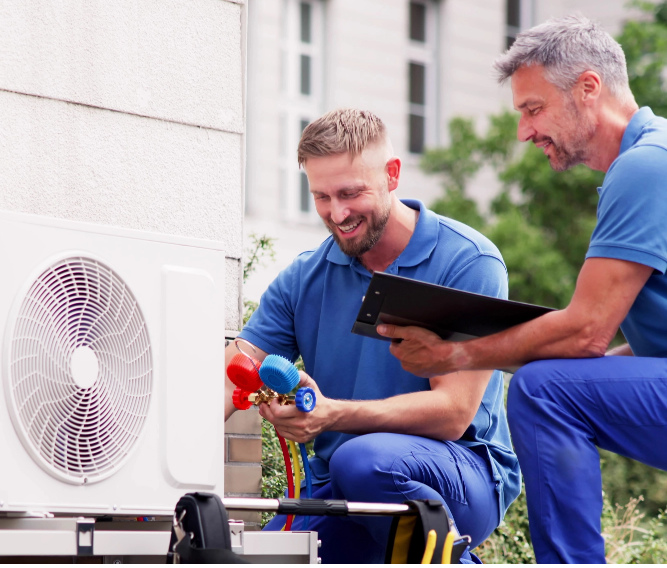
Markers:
(425, 54)
(299, 108)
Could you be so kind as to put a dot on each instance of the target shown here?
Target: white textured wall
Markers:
(127, 113)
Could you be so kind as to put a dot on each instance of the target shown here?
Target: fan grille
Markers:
(79, 421)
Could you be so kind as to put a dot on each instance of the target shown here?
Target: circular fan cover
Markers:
(80, 370)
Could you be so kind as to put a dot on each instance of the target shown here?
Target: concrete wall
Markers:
(131, 113)
(127, 113)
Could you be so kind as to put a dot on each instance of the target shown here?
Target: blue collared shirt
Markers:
(310, 308)
(632, 225)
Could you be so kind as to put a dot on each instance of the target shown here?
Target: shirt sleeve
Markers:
(632, 211)
(485, 274)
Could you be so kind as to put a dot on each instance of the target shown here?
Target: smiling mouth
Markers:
(544, 145)
(348, 228)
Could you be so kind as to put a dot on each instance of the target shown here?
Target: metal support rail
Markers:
(327, 507)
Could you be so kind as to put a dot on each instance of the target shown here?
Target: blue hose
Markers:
(309, 483)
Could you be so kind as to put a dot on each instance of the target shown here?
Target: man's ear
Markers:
(589, 86)
(393, 169)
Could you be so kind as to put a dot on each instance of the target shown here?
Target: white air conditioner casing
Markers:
(112, 368)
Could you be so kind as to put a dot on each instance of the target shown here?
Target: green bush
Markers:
(510, 542)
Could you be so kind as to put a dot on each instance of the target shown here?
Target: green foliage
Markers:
(456, 205)
(645, 46)
(458, 161)
(259, 248)
(624, 478)
(628, 538)
(510, 542)
(248, 309)
(563, 205)
(538, 271)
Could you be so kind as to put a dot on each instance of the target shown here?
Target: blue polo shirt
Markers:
(309, 310)
(632, 225)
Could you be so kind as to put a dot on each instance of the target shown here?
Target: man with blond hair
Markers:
(382, 434)
(570, 84)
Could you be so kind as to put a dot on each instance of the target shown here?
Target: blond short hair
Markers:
(339, 132)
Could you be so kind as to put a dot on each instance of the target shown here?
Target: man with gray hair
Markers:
(570, 85)
(380, 433)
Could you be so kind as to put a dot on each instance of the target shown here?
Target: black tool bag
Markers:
(409, 535)
(200, 533)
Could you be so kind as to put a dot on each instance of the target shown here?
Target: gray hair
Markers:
(338, 132)
(567, 47)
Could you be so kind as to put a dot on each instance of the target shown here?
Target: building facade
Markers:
(415, 63)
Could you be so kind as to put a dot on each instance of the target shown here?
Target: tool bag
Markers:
(200, 532)
(409, 536)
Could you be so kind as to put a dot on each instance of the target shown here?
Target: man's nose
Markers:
(339, 212)
(525, 130)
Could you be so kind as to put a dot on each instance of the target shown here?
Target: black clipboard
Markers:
(455, 315)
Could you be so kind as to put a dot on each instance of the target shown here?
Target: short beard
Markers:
(576, 151)
(375, 230)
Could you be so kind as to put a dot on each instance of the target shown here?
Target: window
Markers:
(417, 22)
(302, 86)
(305, 74)
(422, 91)
(306, 21)
(417, 98)
(519, 17)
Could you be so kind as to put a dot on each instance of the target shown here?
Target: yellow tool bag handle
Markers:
(409, 541)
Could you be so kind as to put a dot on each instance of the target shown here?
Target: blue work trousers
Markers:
(559, 411)
(394, 468)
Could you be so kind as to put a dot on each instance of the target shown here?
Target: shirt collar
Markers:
(421, 244)
(635, 127)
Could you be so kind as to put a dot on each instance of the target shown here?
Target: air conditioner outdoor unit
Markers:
(112, 368)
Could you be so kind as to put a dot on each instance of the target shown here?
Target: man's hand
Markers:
(422, 352)
(295, 425)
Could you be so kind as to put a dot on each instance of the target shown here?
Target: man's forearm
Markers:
(418, 414)
(444, 412)
(552, 336)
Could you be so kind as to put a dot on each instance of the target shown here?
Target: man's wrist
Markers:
(460, 357)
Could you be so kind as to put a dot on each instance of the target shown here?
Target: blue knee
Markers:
(524, 384)
(518, 394)
(359, 470)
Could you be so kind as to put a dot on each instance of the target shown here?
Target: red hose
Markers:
(290, 477)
